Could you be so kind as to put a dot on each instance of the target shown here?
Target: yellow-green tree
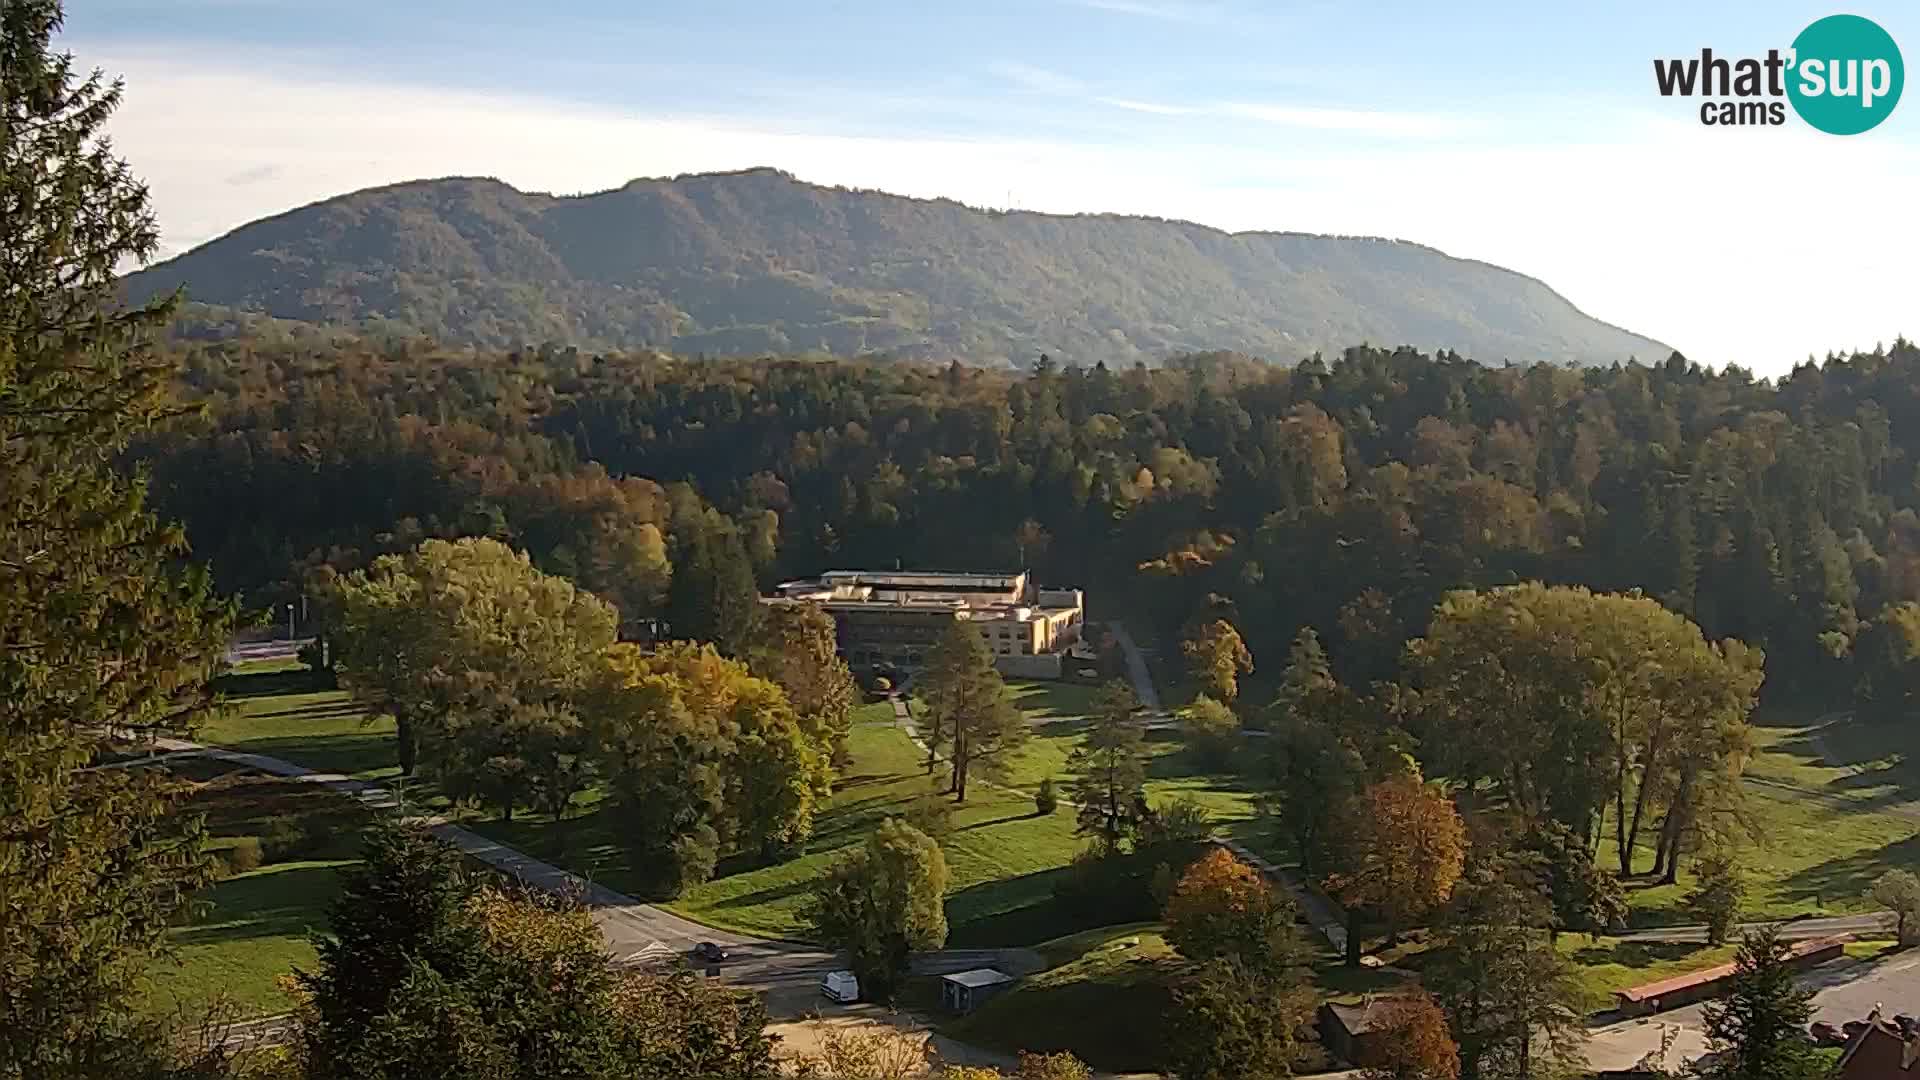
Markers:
(882, 902)
(1217, 657)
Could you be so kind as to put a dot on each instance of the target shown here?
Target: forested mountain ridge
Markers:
(759, 262)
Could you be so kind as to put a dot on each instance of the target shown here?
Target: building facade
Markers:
(890, 620)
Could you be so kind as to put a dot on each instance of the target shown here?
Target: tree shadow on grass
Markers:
(277, 901)
(348, 754)
(270, 683)
(1012, 911)
(1851, 876)
(1635, 954)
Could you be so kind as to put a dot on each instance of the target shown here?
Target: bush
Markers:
(245, 855)
(1046, 800)
(1212, 732)
(933, 815)
(284, 838)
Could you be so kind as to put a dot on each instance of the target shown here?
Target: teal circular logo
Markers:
(1846, 75)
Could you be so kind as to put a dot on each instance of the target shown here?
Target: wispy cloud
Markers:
(1040, 80)
(1154, 107)
(1355, 121)
(1167, 10)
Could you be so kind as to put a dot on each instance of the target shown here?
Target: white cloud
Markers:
(1167, 10)
(1153, 107)
(1754, 246)
(1357, 121)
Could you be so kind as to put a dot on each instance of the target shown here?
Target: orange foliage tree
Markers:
(1418, 1045)
(1399, 851)
(1222, 907)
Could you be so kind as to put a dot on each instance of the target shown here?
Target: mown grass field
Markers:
(273, 708)
(248, 931)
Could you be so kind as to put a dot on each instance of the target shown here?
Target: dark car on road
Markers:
(709, 952)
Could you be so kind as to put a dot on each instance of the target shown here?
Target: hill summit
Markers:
(759, 261)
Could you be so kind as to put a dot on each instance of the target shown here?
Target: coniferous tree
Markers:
(968, 715)
(1759, 1028)
(1109, 769)
(100, 630)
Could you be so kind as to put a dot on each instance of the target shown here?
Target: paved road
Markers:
(1792, 930)
(636, 933)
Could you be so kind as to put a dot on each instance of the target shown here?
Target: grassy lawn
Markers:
(1001, 857)
(1059, 711)
(274, 709)
(1608, 964)
(1105, 998)
(250, 929)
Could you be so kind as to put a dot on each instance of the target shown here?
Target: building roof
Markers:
(978, 977)
(1649, 991)
(1375, 1012)
(1878, 1052)
(928, 579)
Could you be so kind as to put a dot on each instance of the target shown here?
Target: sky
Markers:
(1525, 134)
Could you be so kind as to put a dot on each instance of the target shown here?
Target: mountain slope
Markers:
(758, 261)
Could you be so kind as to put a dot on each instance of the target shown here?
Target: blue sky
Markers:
(1526, 134)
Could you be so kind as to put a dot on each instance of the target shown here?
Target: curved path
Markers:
(636, 933)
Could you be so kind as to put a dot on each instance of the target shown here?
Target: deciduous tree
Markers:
(1399, 850)
(1223, 908)
(1715, 896)
(1510, 996)
(796, 647)
(1217, 657)
(1416, 1043)
(1899, 892)
(882, 902)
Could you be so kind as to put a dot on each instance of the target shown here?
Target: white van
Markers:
(841, 986)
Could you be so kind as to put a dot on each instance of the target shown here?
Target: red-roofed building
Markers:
(1711, 982)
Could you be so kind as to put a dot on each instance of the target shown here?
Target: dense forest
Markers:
(1347, 495)
(754, 262)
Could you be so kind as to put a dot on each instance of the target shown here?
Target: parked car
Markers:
(840, 986)
(709, 952)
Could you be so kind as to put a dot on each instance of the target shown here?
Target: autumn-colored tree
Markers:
(1223, 908)
(1399, 851)
(878, 1052)
(1416, 1042)
(795, 646)
(1062, 1066)
(1603, 699)
(1217, 657)
(701, 755)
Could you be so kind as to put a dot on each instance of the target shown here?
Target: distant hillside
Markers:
(758, 261)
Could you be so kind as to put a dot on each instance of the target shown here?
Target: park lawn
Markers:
(277, 711)
(249, 930)
(1105, 998)
(1002, 857)
(1058, 714)
(1605, 965)
(1805, 854)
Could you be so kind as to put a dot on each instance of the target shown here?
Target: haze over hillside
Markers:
(757, 261)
